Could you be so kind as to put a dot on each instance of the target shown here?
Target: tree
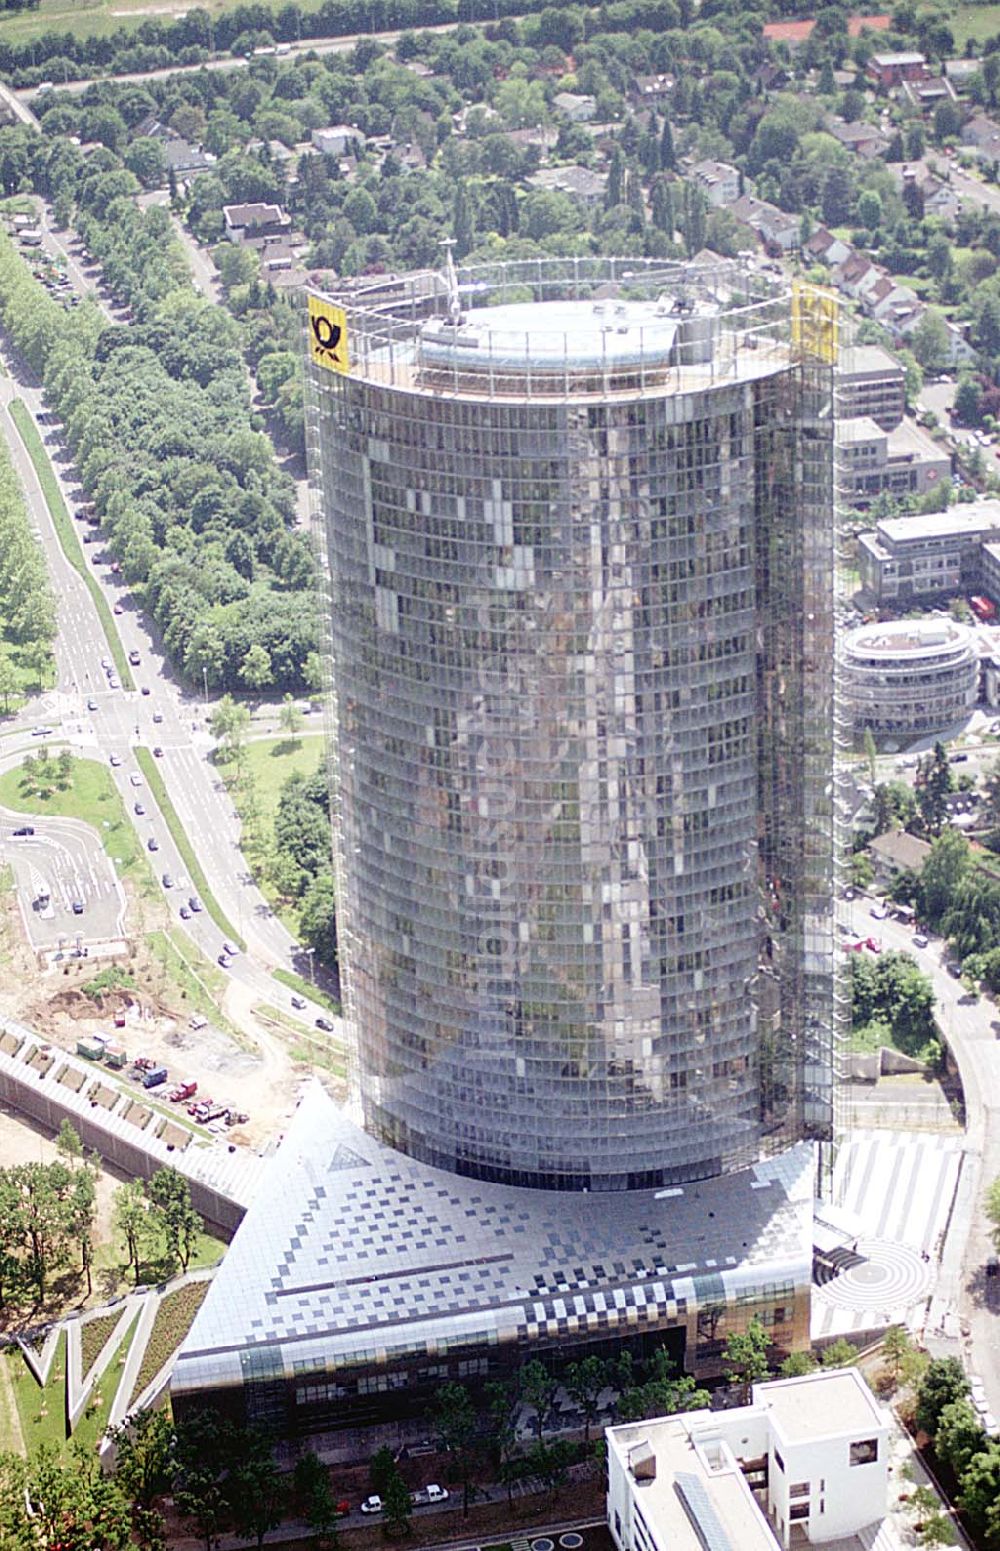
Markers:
(256, 671)
(8, 680)
(289, 717)
(68, 1143)
(929, 340)
(668, 156)
(455, 1420)
(746, 1356)
(381, 1471)
(993, 1211)
(869, 210)
(943, 1383)
(538, 1390)
(315, 1498)
(871, 755)
(170, 1196)
(82, 1206)
(896, 1348)
(979, 1491)
(935, 782)
(944, 871)
(584, 1382)
(131, 1219)
(937, 1530)
(256, 1490)
(968, 402)
(397, 1506)
(797, 1364)
(229, 722)
(959, 1435)
(43, 1214)
(143, 1455)
(840, 1354)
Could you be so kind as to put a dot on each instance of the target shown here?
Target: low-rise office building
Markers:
(871, 384)
(807, 1456)
(910, 558)
(905, 677)
(903, 461)
(361, 1280)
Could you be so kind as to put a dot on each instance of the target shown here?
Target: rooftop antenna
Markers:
(451, 281)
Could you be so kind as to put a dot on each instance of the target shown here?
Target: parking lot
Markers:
(67, 890)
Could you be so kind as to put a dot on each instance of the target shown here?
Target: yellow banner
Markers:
(815, 321)
(328, 335)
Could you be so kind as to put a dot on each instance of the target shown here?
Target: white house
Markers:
(338, 140)
(827, 248)
(579, 109)
(807, 1456)
(719, 182)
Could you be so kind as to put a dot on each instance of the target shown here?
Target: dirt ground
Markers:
(257, 1076)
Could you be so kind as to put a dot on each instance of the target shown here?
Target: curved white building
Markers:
(910, 676)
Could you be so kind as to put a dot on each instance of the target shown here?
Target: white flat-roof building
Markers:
(871, 382)
(809, 1455)
(903, 461)
(928, 556)
(910, 676)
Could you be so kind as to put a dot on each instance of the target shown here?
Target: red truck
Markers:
(184, 1090)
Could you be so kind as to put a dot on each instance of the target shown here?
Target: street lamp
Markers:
(309, 954)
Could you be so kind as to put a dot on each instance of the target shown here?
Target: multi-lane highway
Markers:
(108, 723)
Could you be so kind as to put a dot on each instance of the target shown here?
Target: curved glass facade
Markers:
(551, 685)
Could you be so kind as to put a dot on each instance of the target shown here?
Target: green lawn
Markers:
(294, 982)
(42, 1411)
(67, 536)
(93, 797)
(272, 760)
(98, 18)
(179, 835)
(972, 21)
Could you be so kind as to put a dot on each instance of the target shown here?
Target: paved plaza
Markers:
(901, 1189)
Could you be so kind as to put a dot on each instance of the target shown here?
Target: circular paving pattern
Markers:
(883, 1276)
(543, 1545)
(571, 1541)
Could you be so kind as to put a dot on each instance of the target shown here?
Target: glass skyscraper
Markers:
(578, 526)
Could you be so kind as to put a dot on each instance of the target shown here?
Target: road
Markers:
(62, 863)
(168, 717)
(342, 45)
(204, 274)
(972, 1028)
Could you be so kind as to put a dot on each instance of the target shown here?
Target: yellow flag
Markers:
(328, 335)
(815, 321)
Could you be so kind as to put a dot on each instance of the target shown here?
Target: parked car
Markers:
(879, 912)
(77, 907)
(299, 1002)
(134, 658)
(184, 1090)
(920, 941)
(195, 903)
(372, 1505)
